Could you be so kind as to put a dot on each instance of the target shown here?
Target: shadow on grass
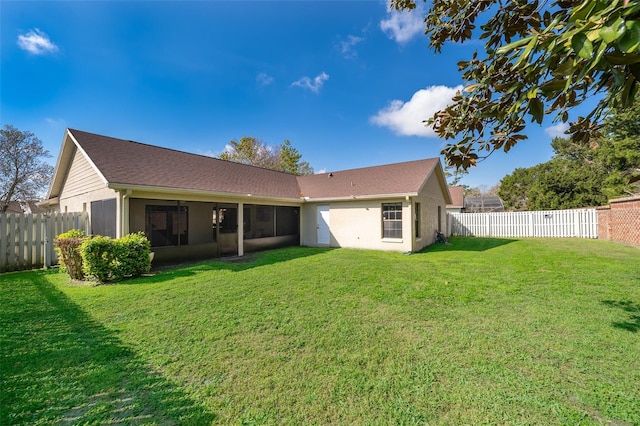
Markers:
(167, 271)
(469, 244)
(633, 323)
(59, 366)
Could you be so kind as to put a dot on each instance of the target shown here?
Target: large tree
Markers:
(582, 174)
(24, 174)
(284, 157)
(540, 58)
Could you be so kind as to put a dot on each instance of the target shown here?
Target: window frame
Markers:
(417, 220)
(390, 218)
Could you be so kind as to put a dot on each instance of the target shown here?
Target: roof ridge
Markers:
(372, 167)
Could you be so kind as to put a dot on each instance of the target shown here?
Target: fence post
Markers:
(488, 225)
(532, 227)
(47, 241)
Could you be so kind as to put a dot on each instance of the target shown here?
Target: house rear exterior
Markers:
(193, 206)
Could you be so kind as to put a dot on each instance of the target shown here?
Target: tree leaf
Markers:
(582, 46)
(630, 42)
(612, 32)
(536, 109)
(511, 46)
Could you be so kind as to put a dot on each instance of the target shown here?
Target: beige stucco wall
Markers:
(430, 198)
(82, 186)
(358, 223)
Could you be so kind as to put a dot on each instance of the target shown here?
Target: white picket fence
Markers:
(26, 240)
(581, 223)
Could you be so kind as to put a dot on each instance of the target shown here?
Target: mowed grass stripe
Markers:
(482, 331)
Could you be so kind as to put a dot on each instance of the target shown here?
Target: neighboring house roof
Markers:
(26, 207)
(483, 204)
(123, 164)
(457, 197)
(390, 179)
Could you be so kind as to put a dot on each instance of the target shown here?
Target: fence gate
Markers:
(26, 240)
(582, 223)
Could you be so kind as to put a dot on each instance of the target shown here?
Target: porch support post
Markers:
(240, 229)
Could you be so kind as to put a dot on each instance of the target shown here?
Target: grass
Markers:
(483, 331)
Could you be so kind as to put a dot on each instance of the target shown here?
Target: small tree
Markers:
(284, 158)
(67, 246)
(23, 173)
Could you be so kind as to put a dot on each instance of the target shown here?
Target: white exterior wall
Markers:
(358, 224)
(82, 186)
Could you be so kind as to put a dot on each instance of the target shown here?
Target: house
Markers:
(193, 206)
(457, 199)
(24, 207)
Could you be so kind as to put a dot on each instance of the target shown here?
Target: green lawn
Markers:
(483, 331)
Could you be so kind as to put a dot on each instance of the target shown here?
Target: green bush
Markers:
(136, 248)
(67, 246)
(106, 259)
(98, 258)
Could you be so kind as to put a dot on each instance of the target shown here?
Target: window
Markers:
(392, 220)
(167, 225)
(417, 220)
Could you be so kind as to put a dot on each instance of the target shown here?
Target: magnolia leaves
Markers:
(539, 59)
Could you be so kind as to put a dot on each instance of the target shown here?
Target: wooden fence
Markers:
(581, 223)
(26, 240)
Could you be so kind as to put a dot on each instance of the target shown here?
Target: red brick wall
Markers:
(620, 221)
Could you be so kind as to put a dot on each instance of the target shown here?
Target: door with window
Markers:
(226, 229)
(324, 233)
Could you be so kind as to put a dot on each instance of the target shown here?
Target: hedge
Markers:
(106, 259)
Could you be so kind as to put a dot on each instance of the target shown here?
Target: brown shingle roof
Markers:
(397, 179)
(457, 196)
(124, 162)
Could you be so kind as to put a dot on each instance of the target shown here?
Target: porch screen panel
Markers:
(287, 221)
(167, 225)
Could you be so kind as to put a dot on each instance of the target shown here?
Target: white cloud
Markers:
(557, 131)
(347, 46)
(315, 85)
(36, 42)
(402, 26)
(406, 118)
(321, 171)
(264, 79)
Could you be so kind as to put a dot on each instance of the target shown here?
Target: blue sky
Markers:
(348, 83)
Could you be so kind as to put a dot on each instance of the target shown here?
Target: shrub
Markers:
(67, 246)
(99, 258)
(106, 259)
(136, 249)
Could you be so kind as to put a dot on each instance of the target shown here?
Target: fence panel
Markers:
(551, 223)
(26, 240)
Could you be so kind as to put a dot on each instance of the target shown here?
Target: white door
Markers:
(324, 236)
